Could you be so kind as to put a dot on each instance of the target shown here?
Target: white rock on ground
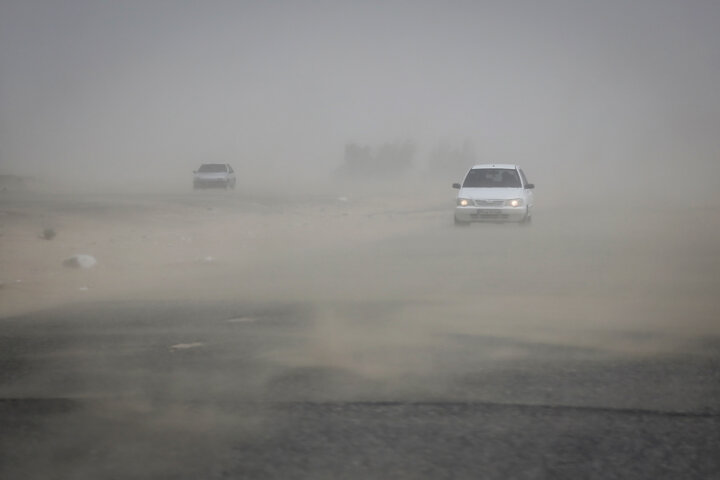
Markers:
(185, 346)
(80, 261)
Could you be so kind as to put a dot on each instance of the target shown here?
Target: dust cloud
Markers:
(106, 108)
(578, 275)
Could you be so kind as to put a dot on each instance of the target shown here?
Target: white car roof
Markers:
(496, 165)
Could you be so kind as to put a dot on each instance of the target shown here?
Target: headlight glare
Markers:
(515, 202)
(463, 202)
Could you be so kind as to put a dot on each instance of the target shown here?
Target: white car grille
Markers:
(489, 203)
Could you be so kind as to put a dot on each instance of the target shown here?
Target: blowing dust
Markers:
(380, 269)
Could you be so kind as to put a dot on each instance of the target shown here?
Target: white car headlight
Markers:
(515, 202)
(464, 202)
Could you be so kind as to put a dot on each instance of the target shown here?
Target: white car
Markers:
(494, 193)
(217, 175)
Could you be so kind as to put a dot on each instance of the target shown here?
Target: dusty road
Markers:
(225, 335)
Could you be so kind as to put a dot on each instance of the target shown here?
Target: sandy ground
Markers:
(380, 274)
(581, 274)
(178, 246)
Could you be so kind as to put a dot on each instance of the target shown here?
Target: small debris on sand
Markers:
(242, 320)
(186, 346)
(48, 234)
(80, 261)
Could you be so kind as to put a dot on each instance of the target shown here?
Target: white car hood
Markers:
(211, 175)
(491, 193)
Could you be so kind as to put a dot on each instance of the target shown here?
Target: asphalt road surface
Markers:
(357, 341)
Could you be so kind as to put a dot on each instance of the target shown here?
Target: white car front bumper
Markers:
(490, 214)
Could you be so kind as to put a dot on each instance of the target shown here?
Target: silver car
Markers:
(214, 175)
(494, 193)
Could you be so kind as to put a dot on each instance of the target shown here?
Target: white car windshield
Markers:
(492, 178)
(213, 168)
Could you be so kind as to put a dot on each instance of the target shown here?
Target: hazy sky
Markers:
(159, 86)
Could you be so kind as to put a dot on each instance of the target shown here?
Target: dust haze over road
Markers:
(138, 93)
(317, 325)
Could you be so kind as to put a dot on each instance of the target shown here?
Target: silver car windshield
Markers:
(212, 168)
(492, 178)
